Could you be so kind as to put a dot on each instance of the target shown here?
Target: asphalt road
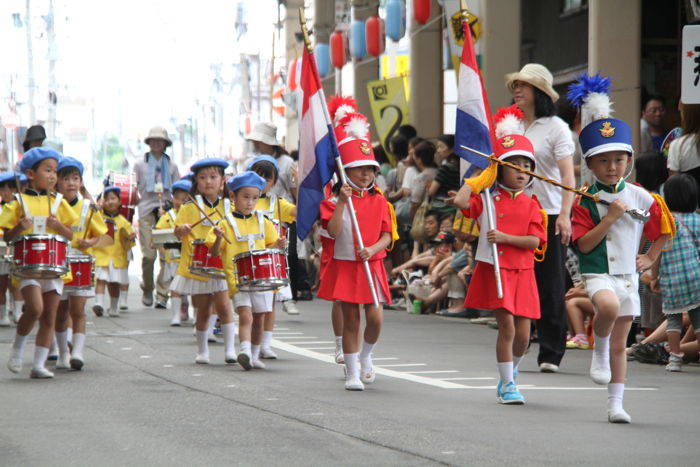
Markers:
(141, 400)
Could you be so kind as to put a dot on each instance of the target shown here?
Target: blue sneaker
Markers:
(499, 386)
(510, 395)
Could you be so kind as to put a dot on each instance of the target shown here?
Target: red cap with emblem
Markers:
(352, 134)
(509, 131)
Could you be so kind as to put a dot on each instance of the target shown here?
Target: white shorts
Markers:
(169, 270)
(284, 294)
(46, 285)
(188, 286)
(112, 274)
(259, 302)
(625, 287)
(70, 292)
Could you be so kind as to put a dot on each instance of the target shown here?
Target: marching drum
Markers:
(261, 270)
(82, 268)
(127, 185)
(40, 256)
(163, 236)
(203, 264)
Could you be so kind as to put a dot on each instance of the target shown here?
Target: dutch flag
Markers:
(474, 127)
(318, 148)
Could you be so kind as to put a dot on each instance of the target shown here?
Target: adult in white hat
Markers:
(533, 93)
(155, 174)
(264, 139)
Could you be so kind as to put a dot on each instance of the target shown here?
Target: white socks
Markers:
(40, 355)
(602, 346)
(616, 414)
(516, 362)
(229, 332)
(255, 352)
(339, 343)
(62, 340)
(113, 305)
(505, 370)
(351, 366)
(212, 323)
(100, 300)
(175, 303)
(78, 344)
(245, 348)
(202, 343)
(366, 355)
(122, 298)
(17, 310)
(266, 339)
(18, 346)
(70, 334)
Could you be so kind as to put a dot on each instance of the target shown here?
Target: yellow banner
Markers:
(387, 98)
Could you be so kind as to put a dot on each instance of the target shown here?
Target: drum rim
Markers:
(80, 259)
(251, 286)
(262, 251)
(208, 272)
(56, 237)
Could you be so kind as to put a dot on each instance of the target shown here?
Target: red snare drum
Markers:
(261, 270)
(127, 185)
(82, 268)
(203, 264)
(40, 256)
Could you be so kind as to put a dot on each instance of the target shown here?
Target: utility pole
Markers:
(53, 92)
(30, 63)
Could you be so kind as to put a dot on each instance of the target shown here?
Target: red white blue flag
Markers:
(474, 127)
(318, 148)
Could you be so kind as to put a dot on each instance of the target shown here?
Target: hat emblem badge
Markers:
(365, 149)
(508, 142)
(607, 130)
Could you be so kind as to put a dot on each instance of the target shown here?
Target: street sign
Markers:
(690, 65)
(10, 121)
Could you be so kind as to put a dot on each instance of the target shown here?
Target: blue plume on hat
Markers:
(584, 85)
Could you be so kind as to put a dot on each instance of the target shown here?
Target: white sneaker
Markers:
(268, 353)
(230, 358)
(600, 373)
(14, 365)
(98, 310)
(202, 359)
(290, 306)
(548, 367)
(619, 416)
(354, 384)
(5, 320)
(114, 313)
(77, 362)
(40, 373)
(63, 362)
(244, 361)
(339, 357)
(176, 321)
(212, 338)
(368, 376)
(17, 316)
(258, 365)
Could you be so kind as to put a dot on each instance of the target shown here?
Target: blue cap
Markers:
(245, 179)
(605, 135)
(189, 176)
(115, 189)
(209, 162)
(23, 178)
(36, 155)
(262, 158)
(10, 177)
(183, 184)
(70, 162)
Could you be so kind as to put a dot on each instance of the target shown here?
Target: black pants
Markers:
(551, 277)
(299, 277)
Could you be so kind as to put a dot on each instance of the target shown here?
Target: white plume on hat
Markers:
(509, 121)
(590, 94)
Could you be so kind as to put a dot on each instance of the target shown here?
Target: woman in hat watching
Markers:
(533, 93)
(264, 139)
(35, 137)
(155, 174)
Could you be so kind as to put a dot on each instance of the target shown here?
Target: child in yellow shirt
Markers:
(7, 193)
(88, 229)
(37, 213)
(172, 252)
(111, 261)
(246, 229)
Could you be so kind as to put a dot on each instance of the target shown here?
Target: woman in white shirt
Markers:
(684, 152)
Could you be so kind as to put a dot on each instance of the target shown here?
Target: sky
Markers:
(145, 61)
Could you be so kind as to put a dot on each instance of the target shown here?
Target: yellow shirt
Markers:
(118, 251)
(281, 211)
(248, 225)
(167, 221)
(36, 206)
(189, 214)
(96, 228)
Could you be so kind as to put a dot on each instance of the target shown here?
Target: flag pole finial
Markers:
(305, 32)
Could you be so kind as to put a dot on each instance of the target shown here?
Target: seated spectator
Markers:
(578, 306)
(424, 157)
(421, 259)
(652, 130)
(447, 176)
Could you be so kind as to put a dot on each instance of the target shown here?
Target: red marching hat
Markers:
(509, 131)
(352, 134)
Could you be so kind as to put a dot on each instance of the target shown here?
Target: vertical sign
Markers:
(690, 65)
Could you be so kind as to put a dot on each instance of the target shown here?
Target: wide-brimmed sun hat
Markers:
(158, 132)
(265, 133)
(535, 74)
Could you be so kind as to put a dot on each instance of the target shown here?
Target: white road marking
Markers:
(297, 337)
(375, 359)
(309, 342)
(145, 356)
(321, 348)
(126, 348)
(280, 334)
(395, 365)
(468, 379)
(433, 372)
(167, 366)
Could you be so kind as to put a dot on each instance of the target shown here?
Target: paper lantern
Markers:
(322, 54)
(395, 19)
(339, 49)
(292, 75)
(421, 10)
(374, 30)
(358, 46)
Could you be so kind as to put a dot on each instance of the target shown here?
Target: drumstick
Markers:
(89, 219)
(19, 192)
(194, 201)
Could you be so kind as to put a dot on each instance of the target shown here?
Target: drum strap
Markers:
(173, 214)
(249, 238)
(83, 215)
(56, 204)
(200, 201)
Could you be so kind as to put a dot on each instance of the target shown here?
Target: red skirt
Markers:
(346, 281)
(520, 296)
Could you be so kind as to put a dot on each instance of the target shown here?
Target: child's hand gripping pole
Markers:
(194, 201)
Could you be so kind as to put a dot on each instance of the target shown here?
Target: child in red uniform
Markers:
(344, 279)
(519, 231)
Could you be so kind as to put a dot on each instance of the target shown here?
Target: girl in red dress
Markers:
(519, 231)
(344, 279)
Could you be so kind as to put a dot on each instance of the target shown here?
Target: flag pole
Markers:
(491, 221)
(343, 178)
